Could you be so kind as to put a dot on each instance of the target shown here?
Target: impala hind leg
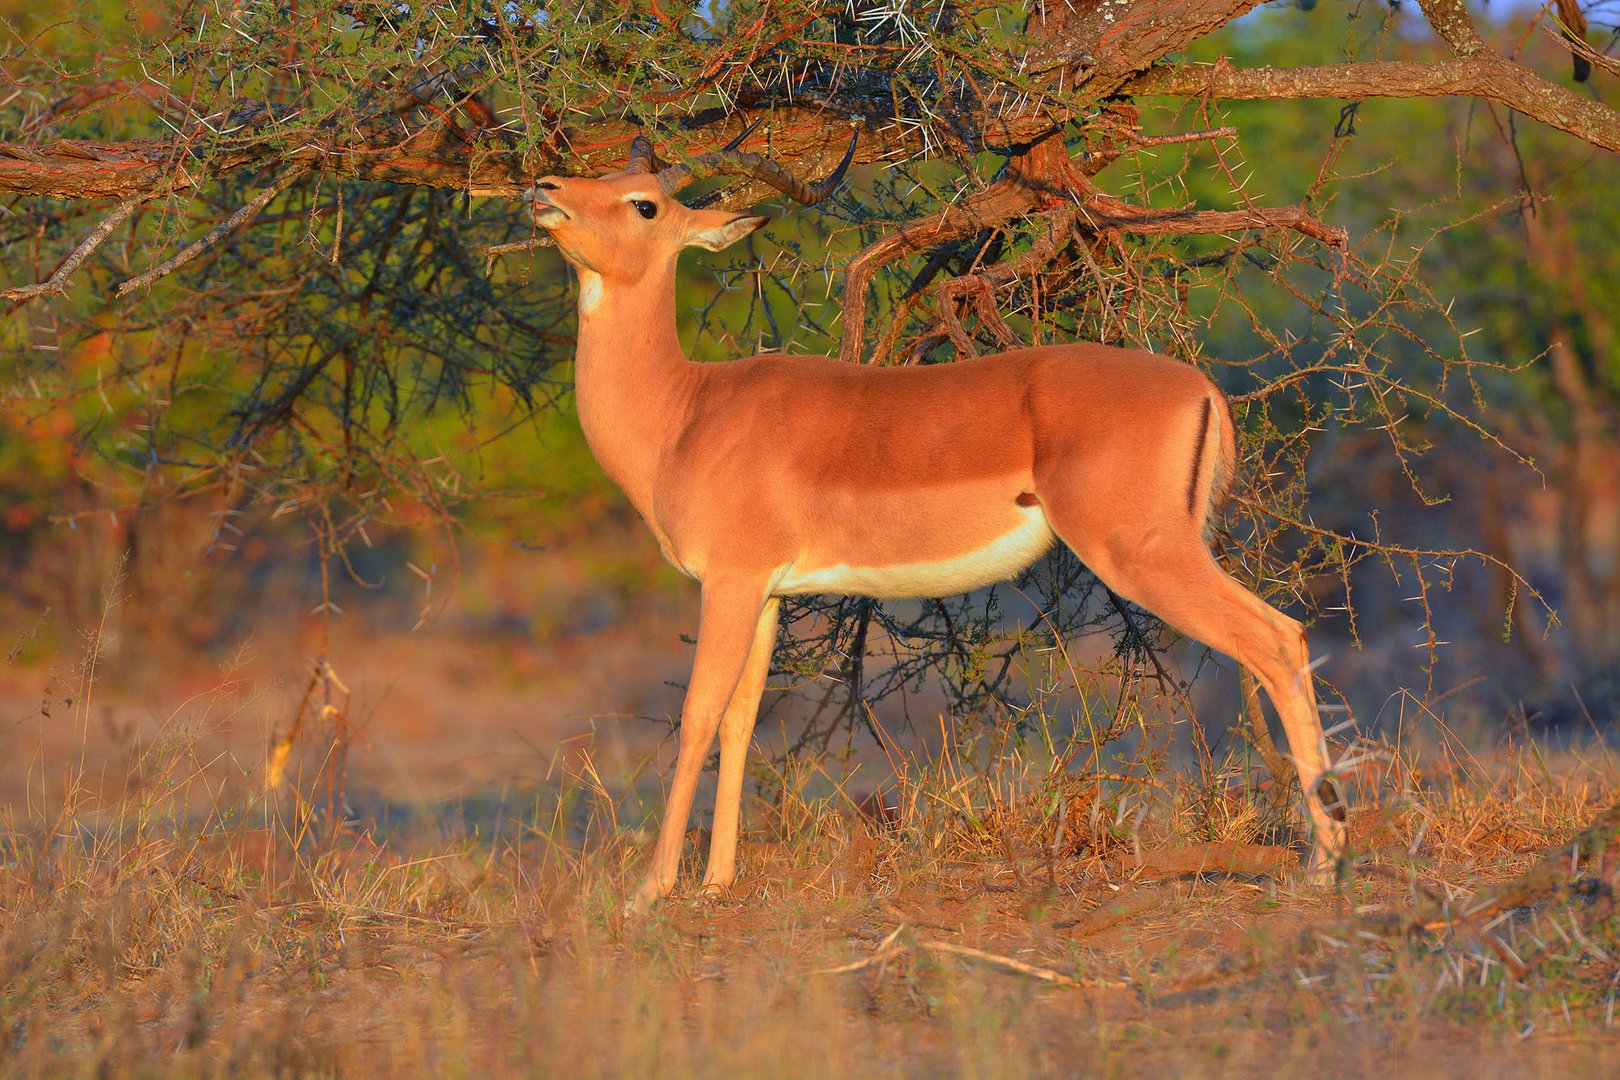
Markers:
(1181, 583)
(727, 627)
(736, 731)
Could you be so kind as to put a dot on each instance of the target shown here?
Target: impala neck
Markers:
(631, 379)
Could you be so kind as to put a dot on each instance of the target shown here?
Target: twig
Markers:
(1135, 141)
(495, 251)
(892, 945)
(1007, 963)
(1184, 137)
(884, 950)
(57, 282)
(1167, 682)
(219, 232)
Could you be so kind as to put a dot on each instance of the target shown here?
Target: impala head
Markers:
(620, 224)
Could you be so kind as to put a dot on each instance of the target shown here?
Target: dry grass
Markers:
(996, 916)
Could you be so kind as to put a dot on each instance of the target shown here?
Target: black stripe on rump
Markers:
(1198, 458)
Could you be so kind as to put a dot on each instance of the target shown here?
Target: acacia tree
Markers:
(293, 213)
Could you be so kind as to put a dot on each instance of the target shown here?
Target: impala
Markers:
(779, 475)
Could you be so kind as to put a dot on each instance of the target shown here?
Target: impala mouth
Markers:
(546, 212)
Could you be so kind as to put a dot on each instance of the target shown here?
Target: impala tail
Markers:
(1214, 462)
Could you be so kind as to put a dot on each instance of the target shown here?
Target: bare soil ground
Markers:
(160, 914)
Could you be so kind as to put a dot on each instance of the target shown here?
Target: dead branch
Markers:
(1366, 79)
(1476, 70)
(1572, 21)
(1589, 862)
(214, 236)
(1584, 53)
(1506, 955)
(1553, 877)
(1043, 180)
(57, 282)
(86, 169)
(981, 287)
(997, 204)
(982, 291)
(1105, 213)
(1030, 179)
(1224, 967)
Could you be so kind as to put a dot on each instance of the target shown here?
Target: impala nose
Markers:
(542, 201)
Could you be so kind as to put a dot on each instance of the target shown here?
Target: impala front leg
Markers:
(736, 731)
(726, 631)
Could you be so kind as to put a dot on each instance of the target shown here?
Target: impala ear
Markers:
(716, 229)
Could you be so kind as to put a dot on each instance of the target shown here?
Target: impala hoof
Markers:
(644, 900)
(713, 891)
(1325, 867)
(1318, 878)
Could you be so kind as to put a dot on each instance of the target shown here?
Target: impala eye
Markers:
(646, 209)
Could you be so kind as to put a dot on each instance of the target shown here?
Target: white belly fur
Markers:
(996, 561)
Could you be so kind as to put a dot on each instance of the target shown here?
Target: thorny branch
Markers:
(1082, 55)
(57, 282)
(1044, 180)
(212, 238)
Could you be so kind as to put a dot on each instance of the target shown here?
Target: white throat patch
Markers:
(590, 291)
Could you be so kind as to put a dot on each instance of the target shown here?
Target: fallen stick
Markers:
(882, 952)
(893, 945)
(1007, 963)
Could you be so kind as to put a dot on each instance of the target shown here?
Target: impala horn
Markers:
(642, 159)
(730, 160)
